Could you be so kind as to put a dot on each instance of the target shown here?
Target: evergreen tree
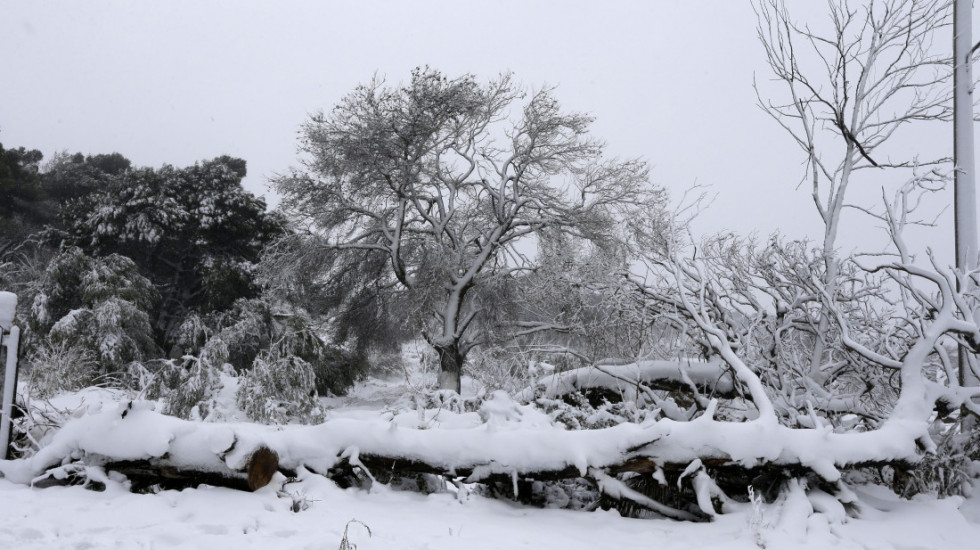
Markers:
(19, 193)
(97, 306)
(194, 232)
(69, 177)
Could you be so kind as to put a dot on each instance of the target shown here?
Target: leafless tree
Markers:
(898, 319)
(846, 90)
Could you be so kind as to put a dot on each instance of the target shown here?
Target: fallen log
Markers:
(148, 474)
(627, 381)
(261, 466)
(156, 474)
(145, 475)
(139, 442)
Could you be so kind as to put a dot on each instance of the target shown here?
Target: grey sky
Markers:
(180, 81)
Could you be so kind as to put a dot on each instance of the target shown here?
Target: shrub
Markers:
(115, 332)
(279, 389)
(98, 305)
(58, 367)
(190, 387)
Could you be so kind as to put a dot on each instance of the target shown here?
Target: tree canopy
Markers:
(18, 188)
(448, 181)
(195, 232)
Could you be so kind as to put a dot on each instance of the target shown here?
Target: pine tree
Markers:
(194, 232)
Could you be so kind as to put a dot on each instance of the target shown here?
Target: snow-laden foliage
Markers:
(234, 336)
(295, 363)
(114, 330)
(190, 386)
(59, 367)
(277, 389)
(74, 279)
(94, 308)
(195, 232)
(347, 293)
(290, 371)
(252, 327)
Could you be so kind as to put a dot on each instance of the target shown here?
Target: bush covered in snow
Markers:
(278, 389)
(57, 367)
(94, 308)
(255, 326)
(194, 232)
(281, 361)
(190, 386)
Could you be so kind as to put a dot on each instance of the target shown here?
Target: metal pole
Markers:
(11, 341)
(965, 194)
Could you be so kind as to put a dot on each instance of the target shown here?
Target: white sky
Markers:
(181, 81)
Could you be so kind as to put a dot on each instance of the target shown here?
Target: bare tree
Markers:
(446, 178)
(846, 92)
(896, 323)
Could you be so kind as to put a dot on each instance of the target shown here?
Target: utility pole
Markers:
(965, 194)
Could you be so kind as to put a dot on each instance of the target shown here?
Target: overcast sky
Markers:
(180, 81)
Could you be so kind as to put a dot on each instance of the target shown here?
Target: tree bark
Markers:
(357, 452)
(147, 473)
(673, 499)
(450, 366)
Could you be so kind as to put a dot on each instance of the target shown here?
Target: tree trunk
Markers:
(673, 499)
(704, 454)
(450, 366)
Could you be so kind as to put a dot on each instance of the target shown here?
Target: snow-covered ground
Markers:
(215, 518)
(312, 512)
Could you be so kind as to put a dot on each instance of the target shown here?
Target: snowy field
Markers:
(214, 518)
(217, 518)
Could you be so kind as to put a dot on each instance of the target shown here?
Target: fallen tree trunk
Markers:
(145, 474)
(629, 381)
(141, 443)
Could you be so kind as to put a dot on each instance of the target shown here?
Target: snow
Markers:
(215, 518)
(622, 378)
(502, 436)
(8, 309)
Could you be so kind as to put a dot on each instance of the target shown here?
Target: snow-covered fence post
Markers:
(10, 339)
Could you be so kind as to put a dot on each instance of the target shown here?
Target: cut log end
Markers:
(262, 465)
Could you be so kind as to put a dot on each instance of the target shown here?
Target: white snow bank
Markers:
(223, 519)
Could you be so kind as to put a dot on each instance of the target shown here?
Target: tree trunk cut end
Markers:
(262, 465)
